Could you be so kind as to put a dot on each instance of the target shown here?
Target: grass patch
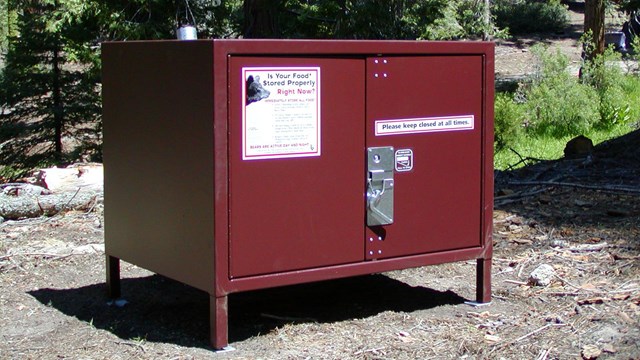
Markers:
(546, 148)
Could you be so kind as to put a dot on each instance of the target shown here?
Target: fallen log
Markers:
(29, 206)
(59, 180)
(77, 187)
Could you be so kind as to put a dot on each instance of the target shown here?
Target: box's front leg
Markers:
(218, 322)
(113, 276)
(483, 281)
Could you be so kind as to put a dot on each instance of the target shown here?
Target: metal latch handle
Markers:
(373, 198)
(380, 171)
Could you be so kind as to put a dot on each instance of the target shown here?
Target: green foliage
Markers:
(559, 104)
(352, 19)
(158, 19)
(472, 19)
(137, 19)
(618, 93)
(8, 17)
(613, 109)
(631, 89)
(462, 19)
(508, 121)
(355, 19)
(49, 89)
(445, 26)
(628, 5)
(521, 16)
(385, 19)
(635, 47)
(555, 105)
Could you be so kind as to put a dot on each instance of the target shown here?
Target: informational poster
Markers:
(281, 114)
(424, 125)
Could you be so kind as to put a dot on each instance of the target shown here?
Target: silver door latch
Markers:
(380, 185)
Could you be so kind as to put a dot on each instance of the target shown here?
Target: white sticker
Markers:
(404, 160)
(424, 125)
(281, 113)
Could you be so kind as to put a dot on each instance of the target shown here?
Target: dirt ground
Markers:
(53, 305)
(579, 216)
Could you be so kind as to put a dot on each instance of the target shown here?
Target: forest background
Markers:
(50, 106)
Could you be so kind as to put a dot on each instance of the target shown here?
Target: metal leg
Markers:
(218, 331)
(113, 277)
(483, 280)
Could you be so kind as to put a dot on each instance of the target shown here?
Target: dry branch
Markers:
(47, 255)
(507, 199)
(532, 333)
(288, 318)
(588, 247)
(129, 343)
(543, 354)
(580, 248)
(515, 282)
(373, 350)
(575, 185)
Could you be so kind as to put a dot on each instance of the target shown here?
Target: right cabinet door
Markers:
(429, 109)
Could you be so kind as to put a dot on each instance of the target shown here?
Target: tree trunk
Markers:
(261, 19)
(486, 35)
(594, 23)
(58, 114)
(56, 90)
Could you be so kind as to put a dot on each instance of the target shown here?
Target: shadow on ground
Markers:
(163, 310)
(601, 190)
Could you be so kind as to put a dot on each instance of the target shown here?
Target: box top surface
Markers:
(327, 47)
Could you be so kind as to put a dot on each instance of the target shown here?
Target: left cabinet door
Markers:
(296, 155)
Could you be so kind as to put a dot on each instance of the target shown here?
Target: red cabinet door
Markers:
(430, 109)
(296, 144)
(298, 137)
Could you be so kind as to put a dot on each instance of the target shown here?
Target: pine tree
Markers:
(6, 20)
(48, 89)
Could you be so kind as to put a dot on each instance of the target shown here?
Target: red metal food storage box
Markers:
(233, 165)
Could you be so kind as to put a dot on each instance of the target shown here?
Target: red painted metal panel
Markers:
(438, 202)
(298, 213)
(350, 269)
(314, 48)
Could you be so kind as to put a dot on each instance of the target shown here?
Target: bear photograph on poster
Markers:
(255, 90)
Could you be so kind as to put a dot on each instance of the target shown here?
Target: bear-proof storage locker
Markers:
(233, 165)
